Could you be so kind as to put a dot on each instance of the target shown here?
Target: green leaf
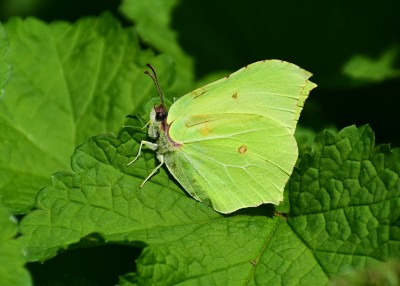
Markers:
(363, 68)
(69, 82)
(344, 213)
(154, 29)
(345, 200)
(12, 260)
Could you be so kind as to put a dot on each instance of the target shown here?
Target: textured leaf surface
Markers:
(11, 254)
(69, 82)
(344, 202)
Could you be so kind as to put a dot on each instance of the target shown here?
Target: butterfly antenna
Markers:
(153, 76)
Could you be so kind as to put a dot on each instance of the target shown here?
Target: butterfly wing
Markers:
(235, 136)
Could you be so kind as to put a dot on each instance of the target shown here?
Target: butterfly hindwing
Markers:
(233, 161)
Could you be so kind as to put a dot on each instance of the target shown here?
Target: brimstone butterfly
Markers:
(230, 144)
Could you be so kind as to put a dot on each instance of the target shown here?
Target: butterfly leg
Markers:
(161, 159)
(151, 145)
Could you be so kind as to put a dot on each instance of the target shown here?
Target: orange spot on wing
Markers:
(242, 149)
(204, 130)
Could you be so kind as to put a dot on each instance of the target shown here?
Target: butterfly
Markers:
(230, 144)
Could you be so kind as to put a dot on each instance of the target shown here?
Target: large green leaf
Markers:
(69, 82)
(344, 202)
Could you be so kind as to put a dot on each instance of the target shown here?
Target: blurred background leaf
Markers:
(387, 274)
(365, 69)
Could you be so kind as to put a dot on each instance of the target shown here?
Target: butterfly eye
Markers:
(160, 112)
(161, 115)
